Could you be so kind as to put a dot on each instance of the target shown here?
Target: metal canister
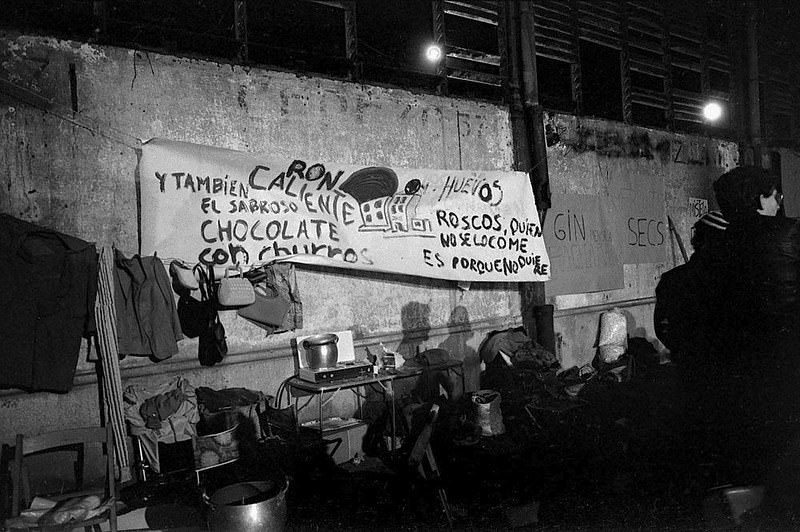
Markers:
(321, 351)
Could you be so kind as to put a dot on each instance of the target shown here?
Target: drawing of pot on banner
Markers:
(373, 188)
(382, 209)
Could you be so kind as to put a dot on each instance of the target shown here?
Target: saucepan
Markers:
(321, 350)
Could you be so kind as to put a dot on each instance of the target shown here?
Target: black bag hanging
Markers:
(193, 314)
(212, 346)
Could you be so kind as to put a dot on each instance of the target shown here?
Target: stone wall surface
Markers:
(73, 169)
(584, 155)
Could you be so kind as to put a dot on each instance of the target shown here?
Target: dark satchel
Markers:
(270, 308)
(212, 346)
(193, 314)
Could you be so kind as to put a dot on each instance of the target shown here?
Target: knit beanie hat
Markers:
(739, 190)
(714, 219)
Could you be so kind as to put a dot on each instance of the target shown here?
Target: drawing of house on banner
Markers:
(403, 210)
(381, 209)
(372, 188)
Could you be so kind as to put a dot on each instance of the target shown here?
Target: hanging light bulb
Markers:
(433, 53)
(712, 111)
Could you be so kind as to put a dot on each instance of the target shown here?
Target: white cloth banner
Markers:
(219, 206)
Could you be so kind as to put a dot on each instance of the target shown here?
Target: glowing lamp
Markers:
(712, 111)
(433, 53)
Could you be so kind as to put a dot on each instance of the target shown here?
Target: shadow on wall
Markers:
(415, 319)
(456, 344)
(633, 330)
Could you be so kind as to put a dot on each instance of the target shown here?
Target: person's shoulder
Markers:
(789, 228)
(782, 224)
(788, 220)
(676, 276)
(676, 271)
(759, 224)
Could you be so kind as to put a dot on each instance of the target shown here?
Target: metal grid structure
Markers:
(673, 56)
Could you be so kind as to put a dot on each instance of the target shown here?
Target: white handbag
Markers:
(183, 275)
(235, 291)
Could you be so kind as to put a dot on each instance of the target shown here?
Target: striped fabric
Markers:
(111, 384)
(714, 219)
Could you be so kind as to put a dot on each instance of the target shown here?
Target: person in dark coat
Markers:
(686, 321)
(757, 363)
(687, 294)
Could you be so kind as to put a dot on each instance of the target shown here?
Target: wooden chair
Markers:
(421, 458)
(58, 440)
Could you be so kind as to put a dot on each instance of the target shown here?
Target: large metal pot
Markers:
(321, 351)
(248, 507)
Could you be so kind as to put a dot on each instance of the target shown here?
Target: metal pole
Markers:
(753, 84)
(240, 28)
(533, 294)
(533, 109)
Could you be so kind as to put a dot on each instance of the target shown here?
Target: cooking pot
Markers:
(321, 351)
(248, 507)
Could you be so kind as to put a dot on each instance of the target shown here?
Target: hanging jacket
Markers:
(766, 271)
(48, 285)
(764, 289)
(147, 318)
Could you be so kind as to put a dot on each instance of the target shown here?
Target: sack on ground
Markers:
(613, 338)
(488, 414)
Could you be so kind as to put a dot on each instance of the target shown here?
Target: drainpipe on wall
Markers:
(753, 88)
(534, 121)
(530, 151)
(240, 29)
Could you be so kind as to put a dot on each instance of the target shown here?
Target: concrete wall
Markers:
(74, 171)
(583, 157)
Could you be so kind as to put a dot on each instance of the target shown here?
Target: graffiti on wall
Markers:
(690, 151)
(632, 144)
(639, 144)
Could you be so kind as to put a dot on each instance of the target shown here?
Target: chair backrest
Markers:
(420, 446)
(27, 445)
(281, 420)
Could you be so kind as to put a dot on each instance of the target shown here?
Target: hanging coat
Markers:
(147, 318)
(48, 285)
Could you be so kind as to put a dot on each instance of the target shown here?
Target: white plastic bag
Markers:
(613, 339)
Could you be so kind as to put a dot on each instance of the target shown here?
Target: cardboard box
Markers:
(352, 440)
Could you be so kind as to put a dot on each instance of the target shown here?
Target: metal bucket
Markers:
(248, 506)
